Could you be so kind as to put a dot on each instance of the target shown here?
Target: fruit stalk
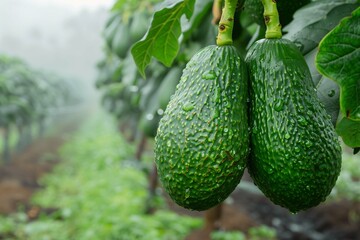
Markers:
(226, 23)
(271, 17)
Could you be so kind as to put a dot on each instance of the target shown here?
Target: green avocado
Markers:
(295, 154)
(121, 42)
(202, 141)
(168, 85)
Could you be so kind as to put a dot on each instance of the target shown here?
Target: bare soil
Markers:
(329, 221)
(19, 178)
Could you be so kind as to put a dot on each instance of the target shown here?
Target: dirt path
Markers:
(19, 178)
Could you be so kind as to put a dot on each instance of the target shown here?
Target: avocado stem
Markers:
(271, 17)
(226, 23)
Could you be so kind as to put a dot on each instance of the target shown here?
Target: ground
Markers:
(245, 209)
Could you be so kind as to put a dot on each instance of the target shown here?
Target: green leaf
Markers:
(312, 22)
(162, 39)
(339, 57)
(349, 130)
(201, 10)
(327, 90)
(118, 5)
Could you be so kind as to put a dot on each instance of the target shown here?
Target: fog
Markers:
(59, 36)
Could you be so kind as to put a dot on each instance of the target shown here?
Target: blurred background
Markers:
(58, 36)
(78, 121)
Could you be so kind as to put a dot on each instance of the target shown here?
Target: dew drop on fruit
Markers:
(279, 105)
(308, 144)
(287, 136)
(210, 75)
(188, 107)
(302, 121)
(254, 130)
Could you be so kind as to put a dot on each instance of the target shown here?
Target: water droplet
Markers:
(255, 130)
(210, 75)
(188, 107)
(287, 136)
(279, 105)
(302, 121)
(331, 93)
(226, 130)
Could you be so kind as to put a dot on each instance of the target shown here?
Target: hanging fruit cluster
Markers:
(272, 112)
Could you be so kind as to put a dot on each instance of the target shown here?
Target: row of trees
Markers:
(28, 99)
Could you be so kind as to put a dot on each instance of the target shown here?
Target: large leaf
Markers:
(349, 130)
(201, 9)
(118, 5)
(327, 90)
(162, 39)
(316, 19)
(339, 58)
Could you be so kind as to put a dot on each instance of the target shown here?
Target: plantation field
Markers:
(98, 190)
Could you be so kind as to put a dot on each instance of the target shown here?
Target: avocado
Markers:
(295, 154)
(121, 42)
(168, 85)
(202, 141)
(139, 25)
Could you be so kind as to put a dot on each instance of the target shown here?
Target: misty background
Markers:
(60, 36)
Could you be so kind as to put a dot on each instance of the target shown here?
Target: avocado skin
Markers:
(202, 141)
(295, 154)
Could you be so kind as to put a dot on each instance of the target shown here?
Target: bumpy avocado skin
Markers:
(295, 154)
(202, 141)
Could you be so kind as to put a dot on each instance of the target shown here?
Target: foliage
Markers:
(98, 194)
(337, 56)
(161, 41)
(255, 233)
(178, 29)
(28, 98)
(130, 83)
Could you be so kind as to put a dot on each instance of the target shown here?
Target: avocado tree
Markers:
(325, 37)
(28, 98)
